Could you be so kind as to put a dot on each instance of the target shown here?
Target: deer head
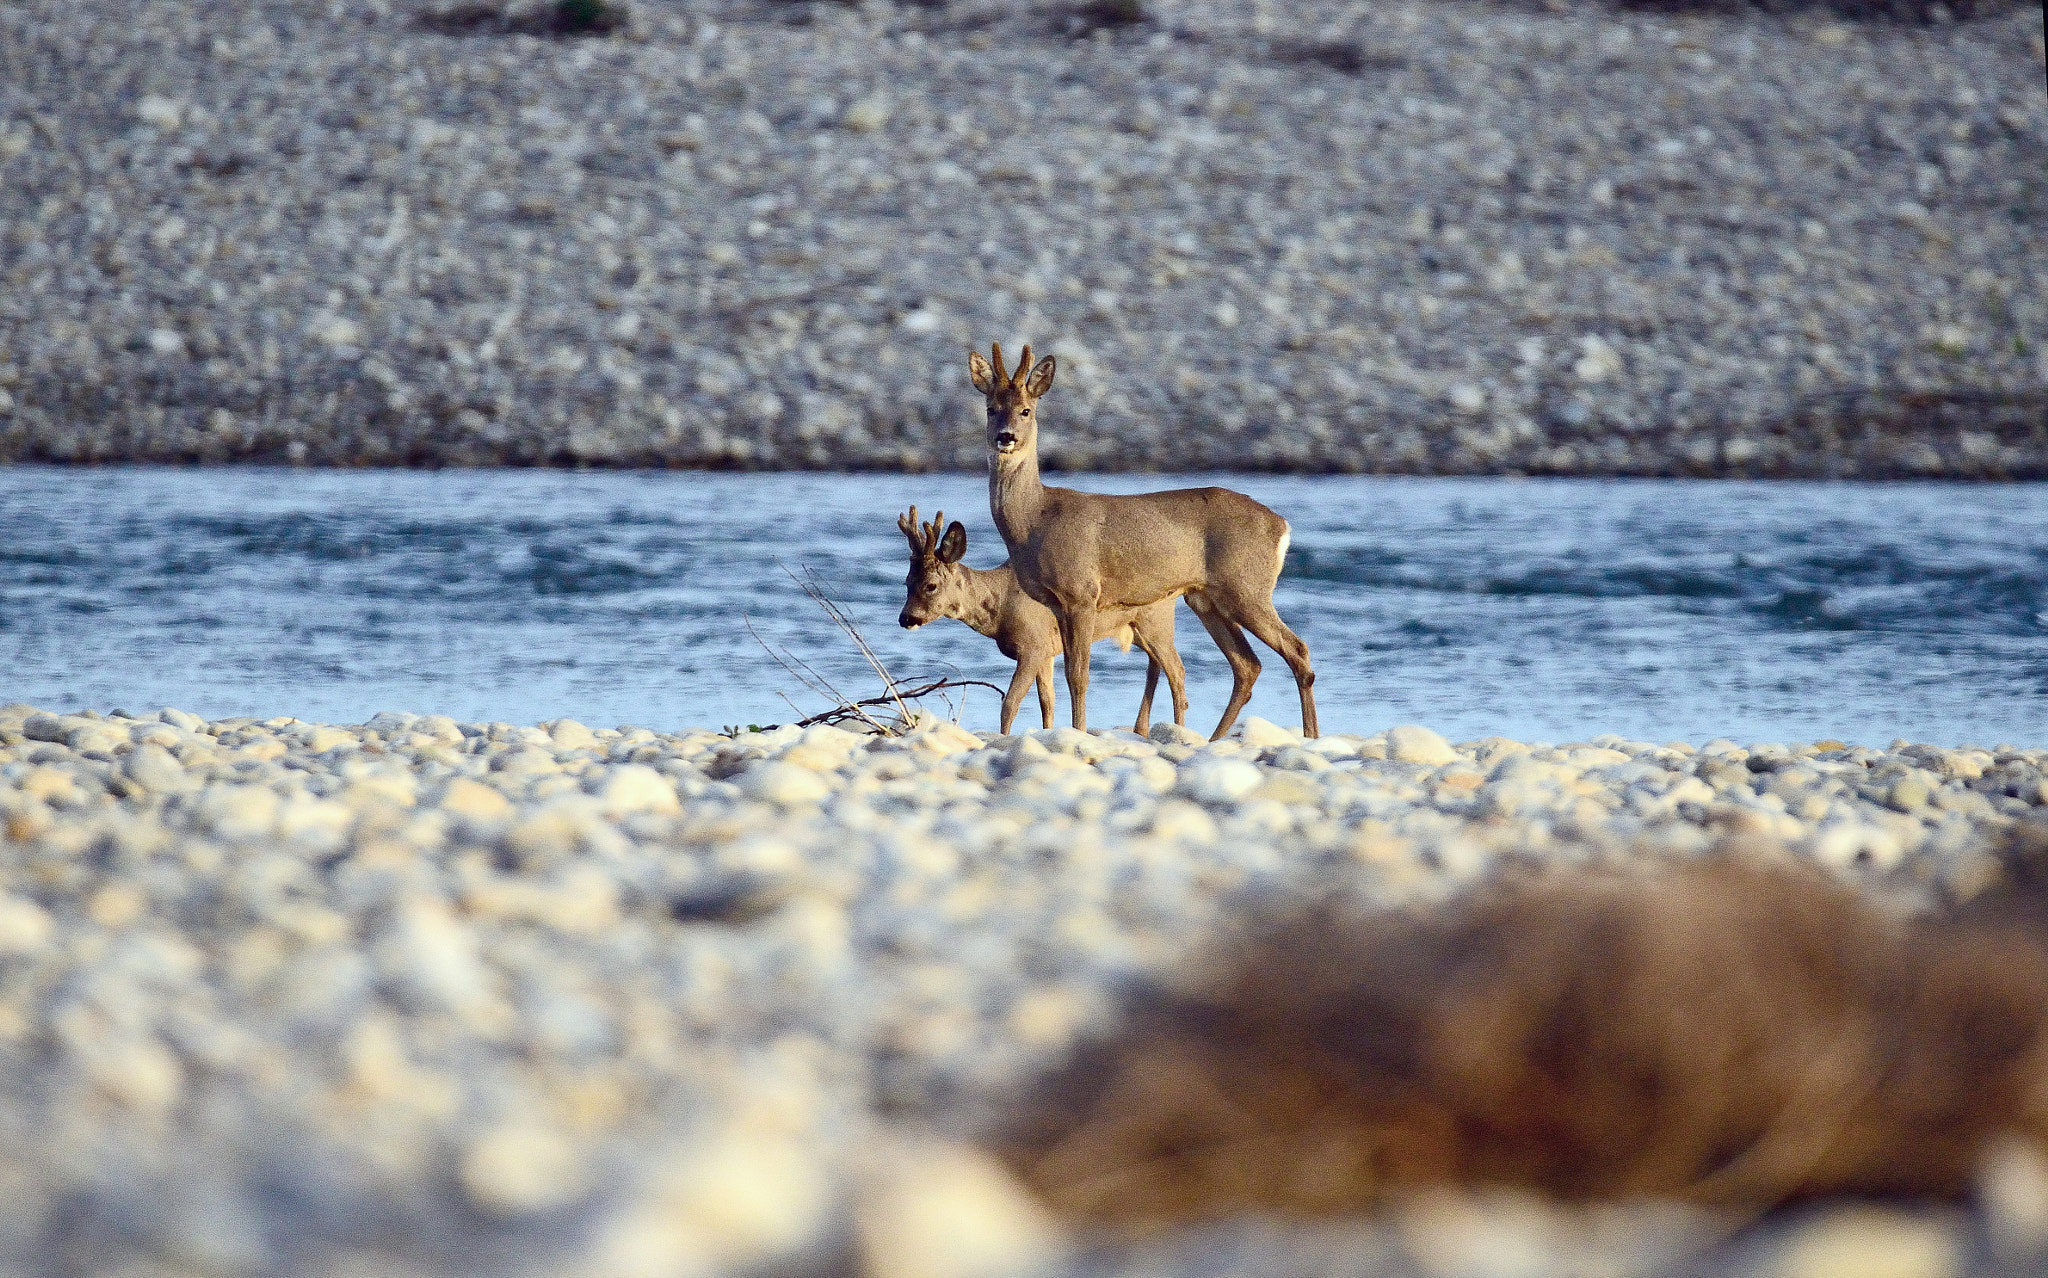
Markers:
(1011, 427)
(937, 585)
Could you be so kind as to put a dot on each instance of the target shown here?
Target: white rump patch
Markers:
(1280, 561)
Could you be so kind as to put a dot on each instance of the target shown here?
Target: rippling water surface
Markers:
(1544, 610)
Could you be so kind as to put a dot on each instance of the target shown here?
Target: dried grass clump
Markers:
(1732, 1031)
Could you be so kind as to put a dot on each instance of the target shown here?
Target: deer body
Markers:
(990, 602)
(1081, 554)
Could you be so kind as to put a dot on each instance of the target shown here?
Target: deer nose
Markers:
(903, 620)
(1006, 441)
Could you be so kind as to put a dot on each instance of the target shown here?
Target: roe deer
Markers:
(989, 602)
(1081, 554)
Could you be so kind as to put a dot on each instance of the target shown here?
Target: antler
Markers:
(1002, 372)
(1024, 367)
(920, 536)
(935, 530)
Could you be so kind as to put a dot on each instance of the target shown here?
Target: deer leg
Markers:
(1155, 636)
(1077, 630)
(1144, 720)
(1261, 619)
(1045, 692)
(1237, 650)
(1013, 697)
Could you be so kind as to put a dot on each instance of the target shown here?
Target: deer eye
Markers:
(931, 587)
(1024, 413)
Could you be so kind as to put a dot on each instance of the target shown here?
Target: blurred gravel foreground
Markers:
(416, 997)
(1283, 235)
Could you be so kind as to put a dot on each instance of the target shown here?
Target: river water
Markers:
(1539, 609)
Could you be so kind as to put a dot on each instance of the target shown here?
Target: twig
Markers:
(847, 708)
(809, 584)
(811, 679)
(938, 686)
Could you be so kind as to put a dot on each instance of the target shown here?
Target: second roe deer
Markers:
(1081, 554)
(990, 603)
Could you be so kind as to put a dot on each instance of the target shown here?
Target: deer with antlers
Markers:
(989, 602)
(1086, 554)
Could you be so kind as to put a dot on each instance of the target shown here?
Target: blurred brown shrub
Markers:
(1737, 1030)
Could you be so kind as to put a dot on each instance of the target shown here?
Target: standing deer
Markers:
(989, 602)
(1083, 554)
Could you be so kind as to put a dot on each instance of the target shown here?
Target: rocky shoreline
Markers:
(1420, 237)
(284, 997)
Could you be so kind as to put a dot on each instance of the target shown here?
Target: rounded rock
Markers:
(1217, 781)
(1410, 743)
(521, 1170)
(784, 785)
(635, 787)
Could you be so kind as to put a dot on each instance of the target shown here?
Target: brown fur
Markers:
(1726, 1031)
(1081, 553)
(991, 603)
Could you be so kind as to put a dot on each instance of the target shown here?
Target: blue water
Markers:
(1539, 609)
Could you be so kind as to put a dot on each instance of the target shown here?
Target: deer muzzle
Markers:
(1005, 442)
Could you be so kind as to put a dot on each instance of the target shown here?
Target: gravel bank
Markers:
(1436, 238)
(289, 997)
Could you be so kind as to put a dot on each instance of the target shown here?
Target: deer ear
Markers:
(954, 545)
(1041, 378)
(980, 373)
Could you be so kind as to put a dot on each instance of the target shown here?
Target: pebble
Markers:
(1409, 743)
(1867, 1242)
(519, 1170)
(951, 1212)
(669, 1002)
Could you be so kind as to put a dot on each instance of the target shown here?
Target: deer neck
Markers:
(991, 588)
(1016, 495)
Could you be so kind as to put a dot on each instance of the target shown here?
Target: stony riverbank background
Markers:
(1415, 237)
(417, 996)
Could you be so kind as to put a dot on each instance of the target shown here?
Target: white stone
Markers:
(1254, 731)
(563, 826)
(1598, 360)
(1170, 733)
(1872, 1242)
(474, 801)
(182, 719)
(950, 1211)
(432, 956)
(2012, 1188)
(239, 811)
(1182, 822)
(335, 330)
(165, 113)
(867, 115)
(567, 734)
(1409, 743)
(25, 927)
(747, 1197)
(1207, 779)
(783, 784)
(527, 761)
(635, 787)
(520, 1169)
